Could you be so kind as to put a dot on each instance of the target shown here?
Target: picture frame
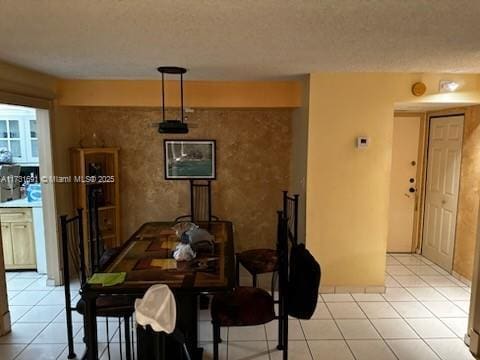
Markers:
(190, 159)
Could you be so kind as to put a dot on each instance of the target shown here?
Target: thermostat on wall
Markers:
(363, 142)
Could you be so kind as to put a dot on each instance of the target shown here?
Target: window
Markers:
(18, 133)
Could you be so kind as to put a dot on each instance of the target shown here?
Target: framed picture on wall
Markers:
(190, 159)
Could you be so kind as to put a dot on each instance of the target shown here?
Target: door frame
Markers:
(45, 121)
(429, 116)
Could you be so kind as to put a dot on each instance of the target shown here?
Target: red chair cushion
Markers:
(245, 306)
(259, 261)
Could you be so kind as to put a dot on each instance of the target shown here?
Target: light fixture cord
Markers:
(163, 96)
(181, 95)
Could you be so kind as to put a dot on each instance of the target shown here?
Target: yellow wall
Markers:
(348, 189)
(198, 94)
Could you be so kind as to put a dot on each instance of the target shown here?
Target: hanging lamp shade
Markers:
(172, 126)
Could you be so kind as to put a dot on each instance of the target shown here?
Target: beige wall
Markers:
(347, 190)
(253, 162)
(198, 94)
(469, 198)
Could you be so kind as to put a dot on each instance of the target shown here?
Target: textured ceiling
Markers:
(239, 39)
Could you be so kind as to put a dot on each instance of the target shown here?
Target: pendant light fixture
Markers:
(172, 126)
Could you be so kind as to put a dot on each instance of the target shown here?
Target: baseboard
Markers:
(462, 278)
(5, 324)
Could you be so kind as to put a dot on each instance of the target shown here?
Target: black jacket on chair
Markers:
(303, 284)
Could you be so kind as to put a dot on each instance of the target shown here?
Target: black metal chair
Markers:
(200, 202)
(74, 259)
(263, 261)
(250, 306)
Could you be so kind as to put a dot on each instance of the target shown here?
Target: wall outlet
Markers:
(363, 142)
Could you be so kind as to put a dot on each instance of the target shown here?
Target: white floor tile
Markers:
(464, 305)
(444, 309)
(398, 270)
(205, 331)
(458, 325)
(423, 270)
(368, 297)
(411, 309)
(410, 281)
(41, 351)
(426, 294)
(451, 349)
(320, 330)
(257, 350)
(28, 297)
(55, 334)
(437, 280)
(330, 349)
(247, 333)
(454, 293)
(41, 314)
(297, 350)
(40, 284)
(398, 294)
(370, 349)
(53, 298)
(391, 282)
(19, 284)
(208, 351)
(16, 312)
(345, 311)
(392, 261)
(10, 351)
(430, 328)
(412, 350)
(22, 333)
(321, 312)
(407, 260)
(295, 331)
(357, 329)
(379, 310)
(337, 297)
(394, 329)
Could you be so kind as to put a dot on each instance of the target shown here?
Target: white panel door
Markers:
(403, 183)
(443, 178)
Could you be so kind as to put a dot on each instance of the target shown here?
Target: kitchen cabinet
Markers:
(17, 238)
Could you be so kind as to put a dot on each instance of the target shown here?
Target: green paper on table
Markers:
(107, 279)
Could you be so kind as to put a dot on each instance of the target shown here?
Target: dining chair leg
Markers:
(254, 277)
(120, 337)
(108, 338)
(237, 270)
(128, 347)
(216, 338)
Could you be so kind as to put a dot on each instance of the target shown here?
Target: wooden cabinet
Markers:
(96, 169)
(17, 238)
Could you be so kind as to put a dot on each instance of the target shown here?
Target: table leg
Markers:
(91, 342)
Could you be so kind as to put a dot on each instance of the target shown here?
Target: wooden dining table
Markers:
(146, 258)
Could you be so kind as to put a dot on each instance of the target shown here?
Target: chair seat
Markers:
(110, 306)
(245, 306)
(259, 261)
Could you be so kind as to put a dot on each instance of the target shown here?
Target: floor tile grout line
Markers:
(373, 325)
(424, 339)
(340, 331)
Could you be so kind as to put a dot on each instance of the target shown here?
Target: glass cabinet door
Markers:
(32, 143)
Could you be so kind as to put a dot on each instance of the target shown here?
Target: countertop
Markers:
(19, 203)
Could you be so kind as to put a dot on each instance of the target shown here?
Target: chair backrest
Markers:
(73, 247)
(290, 211)
(200, 202)
(96, 245)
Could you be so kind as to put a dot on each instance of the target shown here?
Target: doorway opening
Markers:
(27, 199)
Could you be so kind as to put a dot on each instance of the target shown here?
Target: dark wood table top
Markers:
(146, 258)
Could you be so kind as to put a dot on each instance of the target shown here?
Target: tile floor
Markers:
(422, 316)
